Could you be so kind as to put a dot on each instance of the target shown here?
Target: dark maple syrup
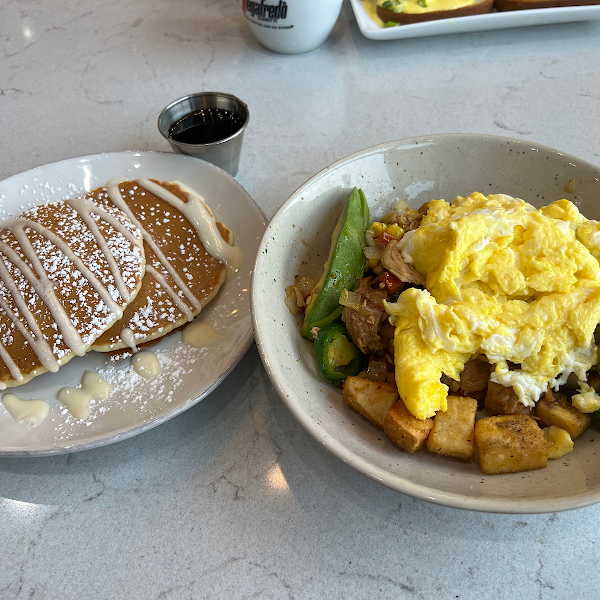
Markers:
(205, 126)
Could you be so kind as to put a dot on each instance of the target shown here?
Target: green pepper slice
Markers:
(337, 356)
(394, 5)
(345, 265)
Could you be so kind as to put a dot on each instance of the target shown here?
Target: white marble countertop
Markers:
(232, 499)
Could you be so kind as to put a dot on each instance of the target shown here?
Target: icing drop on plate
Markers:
(95, 385)
(76, 400)
(146, 364)
(201, 335)
(29, 413)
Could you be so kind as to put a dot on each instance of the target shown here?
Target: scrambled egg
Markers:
(505, 280)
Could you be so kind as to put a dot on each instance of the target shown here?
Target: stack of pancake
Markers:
(119, 268)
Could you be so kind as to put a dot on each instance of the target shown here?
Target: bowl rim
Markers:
(362, 465)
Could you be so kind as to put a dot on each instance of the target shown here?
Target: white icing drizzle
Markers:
(181, 305)
(86, 216)
(201, 335)
(12, 366)
(126, 334)
(116, 197)
(197, 213)
(17, 226)
(44, 288)
(29, 413)
(146, 364)
(39, 345)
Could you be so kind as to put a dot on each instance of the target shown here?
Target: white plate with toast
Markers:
(487, 22)
(187, 373)
(297, 242)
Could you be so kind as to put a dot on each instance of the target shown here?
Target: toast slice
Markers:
(415, 12)
(506, 5)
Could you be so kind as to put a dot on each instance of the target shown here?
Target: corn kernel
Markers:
(377, 229)
(395, 230)
(559, 442)
(372, 263)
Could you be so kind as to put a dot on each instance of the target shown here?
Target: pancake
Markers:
(181, 275)
(67, 271)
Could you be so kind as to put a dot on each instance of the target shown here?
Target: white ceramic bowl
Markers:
(296, 242)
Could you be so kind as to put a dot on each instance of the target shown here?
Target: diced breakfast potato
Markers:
(559, 442)
(555, 409)
(501, 400)
(510, 444)
(453, 432)
(371, 399)
(406, 431)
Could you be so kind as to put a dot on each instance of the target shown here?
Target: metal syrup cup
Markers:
(224, 153)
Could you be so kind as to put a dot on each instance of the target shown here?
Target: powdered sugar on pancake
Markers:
(181, 276)
(67, 270)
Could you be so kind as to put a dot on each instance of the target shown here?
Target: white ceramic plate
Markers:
(296, 242)
(188, 374)
(488, 22)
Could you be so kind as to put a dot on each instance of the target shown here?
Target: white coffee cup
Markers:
(291, 26)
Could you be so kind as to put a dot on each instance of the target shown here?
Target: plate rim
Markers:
(245, 342)
(475, 23)
(362, 465)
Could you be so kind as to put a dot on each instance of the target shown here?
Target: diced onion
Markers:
(300, 300)
(369, 238)
(370, 252)
(291, 303)
(377, 371)
(402, 207)
(350, 299)
(305, 285)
